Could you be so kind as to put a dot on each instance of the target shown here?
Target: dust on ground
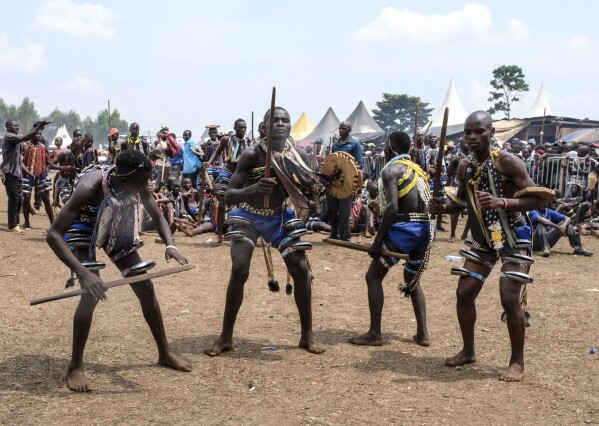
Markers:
(399, 382)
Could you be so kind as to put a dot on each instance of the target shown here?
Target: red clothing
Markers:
(35, 159)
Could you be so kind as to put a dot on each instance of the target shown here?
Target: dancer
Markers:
(497, 191)
(405, 228)
(105, 200)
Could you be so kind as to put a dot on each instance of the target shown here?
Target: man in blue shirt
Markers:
(191, 159)
(340, 210)
(548, 227)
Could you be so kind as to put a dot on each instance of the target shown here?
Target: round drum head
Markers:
(341, 162)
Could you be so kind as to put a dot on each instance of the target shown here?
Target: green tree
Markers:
(27, 114)
(71, 120)
(508, 82)
(102, 126)
(398, 112)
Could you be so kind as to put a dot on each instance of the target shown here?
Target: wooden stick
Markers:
(253, 140)
(361, 247)
(116, 283)
(438, 165)
(427, 129)
(271, 123)
(543, 125)
(200, 214)
(416, 123)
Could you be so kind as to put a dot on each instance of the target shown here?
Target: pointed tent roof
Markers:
(323, 131)
(363, 125)
(539, 105)
(64, 134)
(457, 113)
(302, 127)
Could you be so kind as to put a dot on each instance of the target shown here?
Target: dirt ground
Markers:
(398, 383)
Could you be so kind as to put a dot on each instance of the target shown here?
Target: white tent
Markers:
(362, 123)
(457, 113)
(540, 106)
(64, 134)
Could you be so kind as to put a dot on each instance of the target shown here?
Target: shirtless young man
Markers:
(114, 192)
(405, 228)
(247, 189)
(490, 187)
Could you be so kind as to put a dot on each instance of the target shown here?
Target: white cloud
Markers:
(29, 58)
(79, 84)
(79, 20)
(516, 29)
(395, 24)
(580, 46)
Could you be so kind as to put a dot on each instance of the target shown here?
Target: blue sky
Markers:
(186, 64)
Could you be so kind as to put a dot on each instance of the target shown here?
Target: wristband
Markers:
(504, 203)
(173, 247)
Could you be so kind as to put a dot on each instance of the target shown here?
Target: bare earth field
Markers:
(398, 383)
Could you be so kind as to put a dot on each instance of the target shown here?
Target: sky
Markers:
(186, 64)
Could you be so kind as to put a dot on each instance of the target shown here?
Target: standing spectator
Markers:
(11, 172)
(134, 141)
(191, 159)
(175, 157)
(340, 210)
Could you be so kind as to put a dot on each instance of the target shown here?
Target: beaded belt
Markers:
(260, 212)
(412, 217)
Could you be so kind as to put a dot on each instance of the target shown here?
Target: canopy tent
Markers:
(457, 113)
(507, 129)
(64, 134)
(324, 130)
(540, 106)
(364, 128)
(302, 127)
(585, 135)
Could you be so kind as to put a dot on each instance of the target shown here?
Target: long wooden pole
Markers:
(116, 283)
(543, 125)
(416, 123)
(253, 140)
(361, 247)
(438, 165)
(271, 123)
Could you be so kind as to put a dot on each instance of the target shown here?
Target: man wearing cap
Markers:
(114, 145)
(191, 159)
(340, 210)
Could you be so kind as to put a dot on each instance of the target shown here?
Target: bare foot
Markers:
(175, 362)
(441, 229)
(367, 339)
(451, 239)
(186, 231)
(311, 345)
(77, 382)
(422, 341)
(219, 346)
(460, 359)
(514, 373)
